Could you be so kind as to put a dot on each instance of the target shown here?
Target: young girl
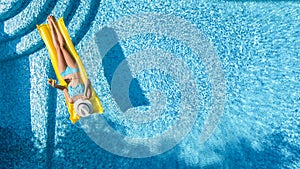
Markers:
(77, 91)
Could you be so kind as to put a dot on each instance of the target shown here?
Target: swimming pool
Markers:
(161, 70)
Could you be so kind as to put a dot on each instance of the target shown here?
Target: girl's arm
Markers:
(52, 83)
(87, 90)
(67, 95)
(62, 88)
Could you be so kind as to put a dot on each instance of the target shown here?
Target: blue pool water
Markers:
(184, 84)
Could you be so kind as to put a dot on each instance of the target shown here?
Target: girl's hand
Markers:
(52, 82)
(84, 98)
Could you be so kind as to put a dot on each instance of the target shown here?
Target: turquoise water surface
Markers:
(184, 84)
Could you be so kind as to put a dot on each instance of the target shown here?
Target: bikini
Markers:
(69, 71)
(78, 89)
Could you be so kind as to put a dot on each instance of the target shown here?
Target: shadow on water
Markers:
(112, 53)
(273, 152)
(15, 123)
(16, 7)
(262, 1)
(13, 148)
(82, 152)
(51, 120)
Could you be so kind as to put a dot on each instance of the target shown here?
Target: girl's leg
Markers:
(62, 65)
(62, 43)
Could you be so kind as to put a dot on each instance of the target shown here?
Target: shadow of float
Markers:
(112, 53)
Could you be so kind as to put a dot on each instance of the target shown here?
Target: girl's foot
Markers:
(60, 38)
(49, 18)
(50, 23)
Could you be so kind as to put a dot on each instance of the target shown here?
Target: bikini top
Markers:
(77, 90)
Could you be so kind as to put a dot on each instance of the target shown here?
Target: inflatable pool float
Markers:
(45, 33)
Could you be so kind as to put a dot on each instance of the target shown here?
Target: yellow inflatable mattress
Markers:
(45, 33)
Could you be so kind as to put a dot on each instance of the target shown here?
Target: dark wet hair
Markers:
(67, 81)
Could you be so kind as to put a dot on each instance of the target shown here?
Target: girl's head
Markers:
(83, 107)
